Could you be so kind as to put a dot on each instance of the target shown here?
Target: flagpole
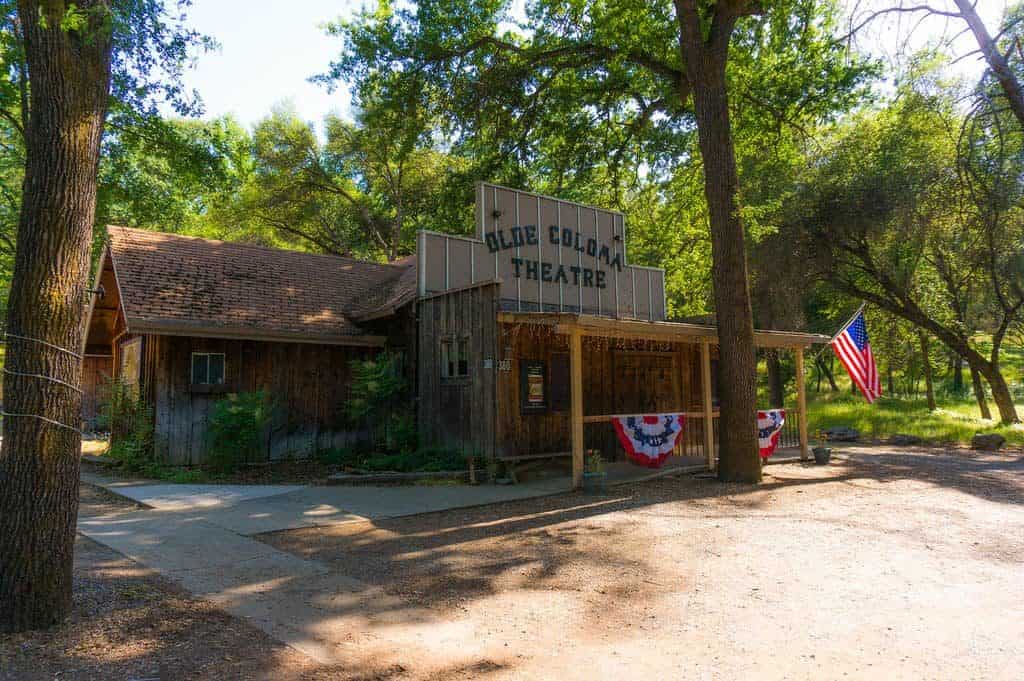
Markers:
(845, 326)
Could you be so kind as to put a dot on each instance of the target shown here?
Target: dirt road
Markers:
(901, 564)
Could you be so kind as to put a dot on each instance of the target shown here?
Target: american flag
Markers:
(854, 351)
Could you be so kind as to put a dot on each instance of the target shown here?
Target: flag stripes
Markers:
(852, 347)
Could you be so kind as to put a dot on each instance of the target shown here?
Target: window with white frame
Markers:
(207, 368)
(454, 358)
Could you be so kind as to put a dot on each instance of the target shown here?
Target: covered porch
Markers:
(616, 366)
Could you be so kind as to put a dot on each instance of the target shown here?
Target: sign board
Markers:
(549, 255)
(533, 387)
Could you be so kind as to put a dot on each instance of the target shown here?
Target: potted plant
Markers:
(822, 452)
(594, 474)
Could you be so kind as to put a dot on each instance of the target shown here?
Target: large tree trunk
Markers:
(738, 457)
(979, 393)
(776, 386)
(926, 365)
(69, 72)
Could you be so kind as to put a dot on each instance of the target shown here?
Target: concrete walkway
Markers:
(200, 537)
(254, 509)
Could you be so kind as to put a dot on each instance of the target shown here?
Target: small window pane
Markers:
(216, 370)
(464, 357)
(446, 369)
(200, 369)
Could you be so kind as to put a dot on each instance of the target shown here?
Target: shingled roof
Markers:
(186, 285)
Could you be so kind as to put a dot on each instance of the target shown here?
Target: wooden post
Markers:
(709, 419)
(801, 401)
(576, 398)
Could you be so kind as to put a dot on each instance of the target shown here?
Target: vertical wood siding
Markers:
(308, 384)
(638, 377)
(459, 412)
(97, 371)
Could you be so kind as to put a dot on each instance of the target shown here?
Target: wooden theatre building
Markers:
(520, 342)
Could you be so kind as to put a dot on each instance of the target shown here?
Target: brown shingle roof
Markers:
(180, 284)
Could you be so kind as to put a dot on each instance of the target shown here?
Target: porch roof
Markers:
(593, 325)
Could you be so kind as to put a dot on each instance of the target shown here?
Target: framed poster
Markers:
(533, 389)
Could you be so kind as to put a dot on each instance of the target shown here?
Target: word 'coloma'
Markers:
(526, 235)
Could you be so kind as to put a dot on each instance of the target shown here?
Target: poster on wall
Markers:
(533, 387)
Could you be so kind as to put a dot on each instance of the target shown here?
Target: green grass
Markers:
(953, 421)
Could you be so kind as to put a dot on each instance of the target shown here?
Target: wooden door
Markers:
(646, 383)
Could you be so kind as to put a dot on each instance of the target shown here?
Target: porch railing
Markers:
(599, 434)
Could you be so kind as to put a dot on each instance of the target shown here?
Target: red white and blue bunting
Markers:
(649, 438)
(769, 426)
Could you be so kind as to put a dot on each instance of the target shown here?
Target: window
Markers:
(207, 368)
(455, 358)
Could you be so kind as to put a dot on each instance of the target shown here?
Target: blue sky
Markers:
(269, 49)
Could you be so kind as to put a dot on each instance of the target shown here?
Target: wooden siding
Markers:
(308, 383)
(459, 412)
(97, 371)
(618, 377)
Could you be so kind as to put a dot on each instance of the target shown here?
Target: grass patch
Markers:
(954, 421)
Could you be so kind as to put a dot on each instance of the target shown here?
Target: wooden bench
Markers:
(523, 462)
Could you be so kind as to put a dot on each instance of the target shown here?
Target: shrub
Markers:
(340, 456)
(428, 459)
(236, 430)
(402, 436)
(130, 420)
(376, 388)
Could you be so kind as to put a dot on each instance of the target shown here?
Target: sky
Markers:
(270, 48)
(268, 51)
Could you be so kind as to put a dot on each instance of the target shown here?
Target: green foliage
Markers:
(170, 174)
(421, 460)
(403, 434)
(413, 460)
(346, 457)
(130, 420)
(374, 396)
(180, 476)
(236, 430)
(362, 191)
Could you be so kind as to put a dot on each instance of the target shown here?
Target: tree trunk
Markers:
(826, 368)
(979, 393)
(926, 365)
(69, 71)
(889, 379)
(1001, 394)
(776, 386)
(958, 375)
(738, 457)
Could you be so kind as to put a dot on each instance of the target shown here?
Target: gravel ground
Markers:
(887, 564)
(130, 624)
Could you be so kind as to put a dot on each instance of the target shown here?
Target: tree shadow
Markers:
(417, 575)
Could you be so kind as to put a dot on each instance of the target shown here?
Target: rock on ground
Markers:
(987, 441)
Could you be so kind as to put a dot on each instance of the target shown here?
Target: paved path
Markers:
(200, 537)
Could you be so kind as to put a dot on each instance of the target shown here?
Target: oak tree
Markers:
(578, 87)
(73, 52)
